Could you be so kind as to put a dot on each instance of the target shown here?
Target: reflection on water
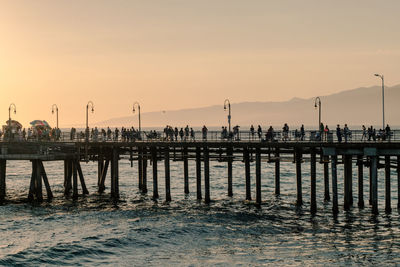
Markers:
(136, 230)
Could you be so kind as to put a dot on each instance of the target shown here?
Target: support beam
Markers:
(82, 179)
(388, 206)
(144, 171)
(3, 164)
(335, 205)
(206, 175)
(186, 170)
(398, 182)
(230, 160)
(140, 168)
(46, 181)
(198, 172)
(155, 172)
(115, 173)
(67, 177)
(102, 186)
(360, 181)
(326, 179)
(298, 177)
(100, 166)
(167, 176)
(75, 180)
(313, 181)
(246, 158)
(258, 176)
(374, 185)
(277, 173)
(347, 181)
(39, 187)
(31, 194)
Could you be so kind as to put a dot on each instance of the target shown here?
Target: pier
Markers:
(107, 154)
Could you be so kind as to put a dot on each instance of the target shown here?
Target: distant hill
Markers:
(354, 107)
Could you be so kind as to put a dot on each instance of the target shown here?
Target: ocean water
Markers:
(95, 231)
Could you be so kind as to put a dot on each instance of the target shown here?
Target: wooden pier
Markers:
(372, 155)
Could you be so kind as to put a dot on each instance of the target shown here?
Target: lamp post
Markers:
(90, 103)
(140, 122)
(54, 107)
(383, 100)
(317, 103)
(229, 113)
(12, 105)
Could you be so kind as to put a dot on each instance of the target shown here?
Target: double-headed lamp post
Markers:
(55, 108)
(229, 112)
(140, 122)
(90, 103)
(383, 100)
(12, 106)
(317, 103)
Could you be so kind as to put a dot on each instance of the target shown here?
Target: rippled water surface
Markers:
(96, 231)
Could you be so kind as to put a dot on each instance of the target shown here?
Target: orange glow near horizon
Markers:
(171, 55)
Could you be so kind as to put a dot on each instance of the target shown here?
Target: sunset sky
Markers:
(181, 54)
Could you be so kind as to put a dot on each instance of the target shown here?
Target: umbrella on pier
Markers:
(40, 123)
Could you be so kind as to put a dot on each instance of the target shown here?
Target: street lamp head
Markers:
(376, 74)
(133, 109)
(92, 109)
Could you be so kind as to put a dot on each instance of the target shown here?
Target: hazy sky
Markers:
(180, 54)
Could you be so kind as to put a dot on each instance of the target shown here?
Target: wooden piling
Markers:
(68, 177)
(144, 171)
(115, 174)
(140, 168)
(186, 170)
(206, 154)
(370, 182)
(39, 186)
(347, 181)
(398, 183)
(45, 180)
(388, 206)
(167, 176)
(298, 177)
(313, 181)
(100, 166)
(198, 172)
(82, 179)
(230, 160)
(246, 158)
(335, 205)
(103, 176)
(277, 173)
(155, 173)
(74, 180)
(326, 178)
(258, 176)
(3, 164)
(374, 184)
(360, 181)
(31, 194)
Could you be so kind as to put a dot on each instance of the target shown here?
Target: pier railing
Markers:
(241, 136)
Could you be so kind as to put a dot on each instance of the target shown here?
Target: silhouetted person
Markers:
(259, 132)
(252, 131)
(387, 132)
(204, 131)
(338, 134)
(302, 132)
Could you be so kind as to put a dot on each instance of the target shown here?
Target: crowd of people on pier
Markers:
(170, 133)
